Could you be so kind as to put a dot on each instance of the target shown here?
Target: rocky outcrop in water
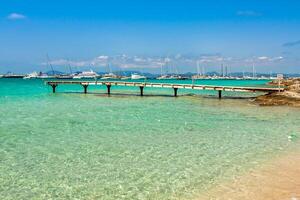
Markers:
(290, 97)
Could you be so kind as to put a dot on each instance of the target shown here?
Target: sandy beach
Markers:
(277, 180)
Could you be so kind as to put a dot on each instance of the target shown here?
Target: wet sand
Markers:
(276, 180)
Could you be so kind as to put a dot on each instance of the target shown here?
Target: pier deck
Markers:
(142, 85)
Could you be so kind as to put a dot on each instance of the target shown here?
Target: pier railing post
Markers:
(175, 92)
(220, 94)
(108, 89)
(142, 90)
(85, 88)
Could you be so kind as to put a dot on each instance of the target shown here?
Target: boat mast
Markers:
(253, 70)
(49, 63)
(222, 70)
(176, 69)
(198, 68)
(109, 68)
(70, 68)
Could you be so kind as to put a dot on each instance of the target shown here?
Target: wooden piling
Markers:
(220, 94)
(108, 89)
(142, 90)
(85, 88)
(175, 92)
(53, 88)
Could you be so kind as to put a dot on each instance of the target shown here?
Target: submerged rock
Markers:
(290, 97)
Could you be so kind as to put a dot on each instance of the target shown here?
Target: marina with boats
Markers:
(90, 74)
(167, 72)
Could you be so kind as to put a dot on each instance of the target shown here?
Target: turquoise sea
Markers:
(70, 145)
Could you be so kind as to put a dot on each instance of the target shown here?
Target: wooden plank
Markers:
(169, 85)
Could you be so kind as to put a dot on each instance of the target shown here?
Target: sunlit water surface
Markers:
(71, 145)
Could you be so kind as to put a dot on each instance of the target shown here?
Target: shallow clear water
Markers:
(71, 145)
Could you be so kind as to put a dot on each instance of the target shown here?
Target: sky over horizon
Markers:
(145, 35)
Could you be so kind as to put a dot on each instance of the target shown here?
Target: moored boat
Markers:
(39, 75)
(11, 75)
(125, 78)
(64, 76)
(32, 75)
(136, 76)
(86, 74)
(109, 76)
(172, 77)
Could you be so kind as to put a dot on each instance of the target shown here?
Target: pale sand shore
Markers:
(277, 180)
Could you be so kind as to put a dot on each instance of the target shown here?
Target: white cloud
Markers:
(167, 59)
(155, 62)
(279, 58)
(140, 60)
(270, 59)
(59, 62)
(212, 59)
(64, 62)
(263, 58)
(118, 61)
(15, 16)
(248, 13)
(103, 57)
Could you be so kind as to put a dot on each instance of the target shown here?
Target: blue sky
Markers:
(143, 35)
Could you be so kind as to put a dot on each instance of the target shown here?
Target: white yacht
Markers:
(171, 77)
(177, 77)
(163, 77)
(86, 74)
(43, 76)
(109, 76)
(31, 75)
(125, 78)
(198, 76)
(136, 76)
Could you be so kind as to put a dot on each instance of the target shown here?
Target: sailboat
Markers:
(174, 76)
(109, 75)
(199, 74)
(49, 64)
(66, 76)
(162, 76)
(253, 71)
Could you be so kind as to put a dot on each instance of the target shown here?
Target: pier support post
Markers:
(53, 88)
(220, 94)
(85, 88)
(142, 90)
(175, 92)
(108, 89)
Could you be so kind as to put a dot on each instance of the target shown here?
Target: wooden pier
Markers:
(174, 86)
